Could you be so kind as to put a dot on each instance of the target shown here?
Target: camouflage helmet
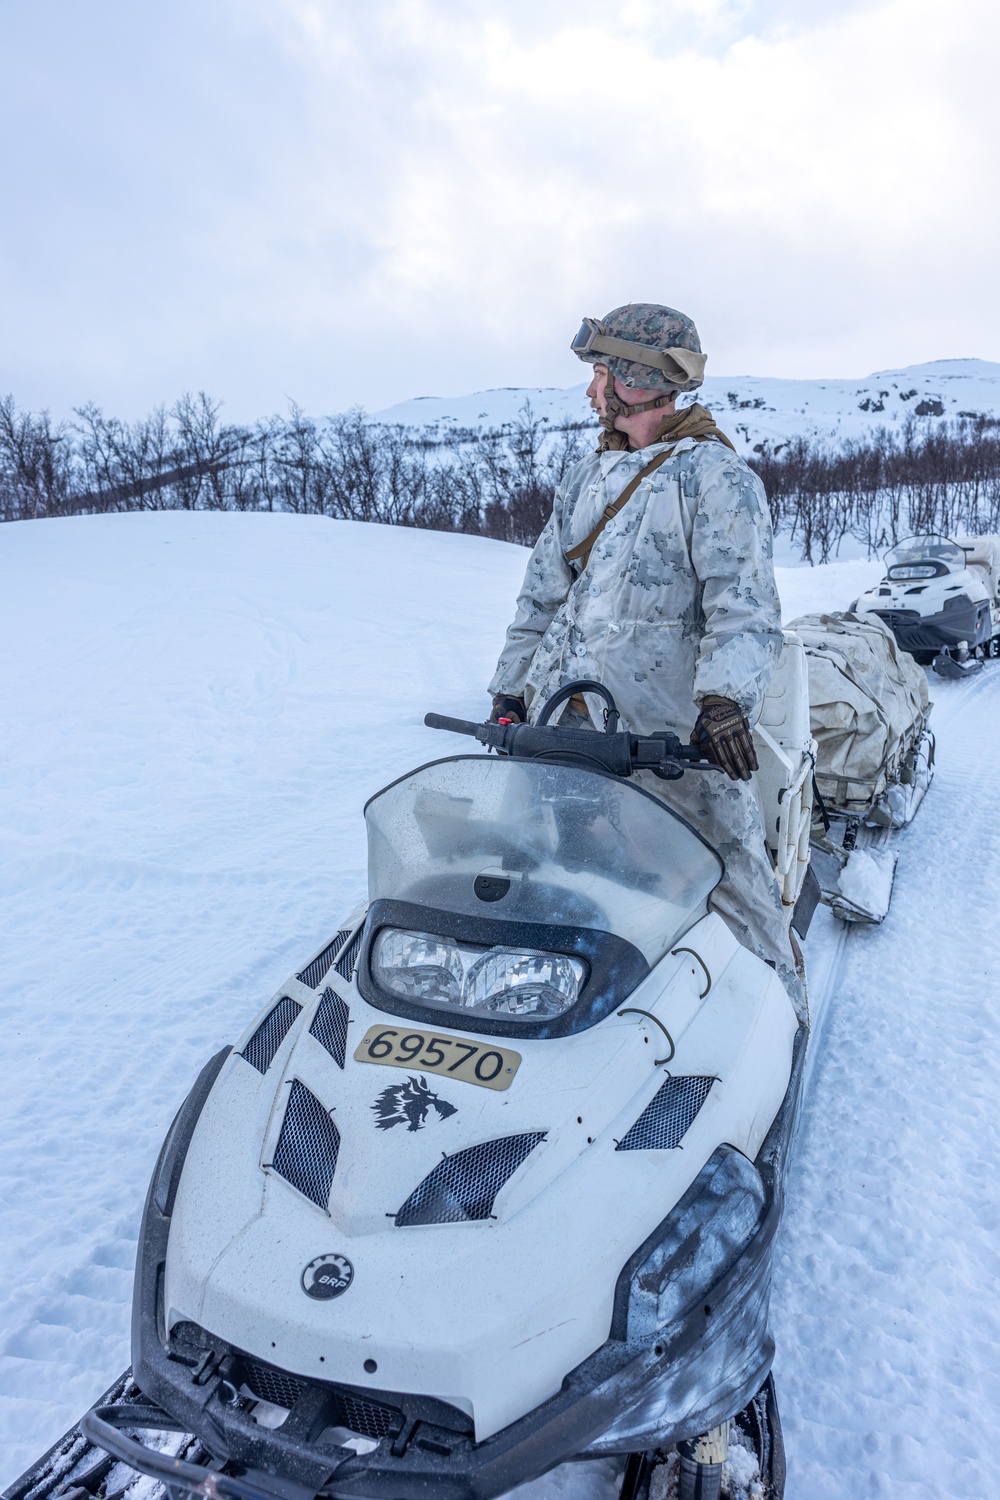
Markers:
(618, 340)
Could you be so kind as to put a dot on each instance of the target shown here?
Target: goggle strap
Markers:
(678, 364)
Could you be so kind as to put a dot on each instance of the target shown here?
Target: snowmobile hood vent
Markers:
(308, 1146)
(329, 1026)
(463, 1187)
(668, 1116)
(260, 1049)
(349, 957)
(315, 971)
(370, 1419)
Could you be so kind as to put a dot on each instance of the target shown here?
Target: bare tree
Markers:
(926, 477)
(36, 467)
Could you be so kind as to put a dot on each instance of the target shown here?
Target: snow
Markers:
(866, 879)
(751, 409)
(885, 1308)
(196, 707)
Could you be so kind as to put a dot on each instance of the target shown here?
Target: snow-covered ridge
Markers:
(751, 409)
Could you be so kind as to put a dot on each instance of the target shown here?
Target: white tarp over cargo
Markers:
(983, 557)
(868, 707)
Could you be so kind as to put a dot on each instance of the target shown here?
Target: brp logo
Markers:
(327, 1276)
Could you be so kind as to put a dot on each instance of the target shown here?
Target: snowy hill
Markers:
(751, 409)
(196, 707)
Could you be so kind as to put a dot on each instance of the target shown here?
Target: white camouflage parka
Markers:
(677, 601)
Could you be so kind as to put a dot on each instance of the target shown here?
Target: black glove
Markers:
(507, 707)
(722, 734)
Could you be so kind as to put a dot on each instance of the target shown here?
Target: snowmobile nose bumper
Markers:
(963, 620)
(625, 1398)
(102, 1427)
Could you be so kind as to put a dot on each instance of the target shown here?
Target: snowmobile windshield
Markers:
(924, 557)
(532, 842)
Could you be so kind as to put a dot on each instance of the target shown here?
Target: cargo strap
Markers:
(583, 549)
(691, 422)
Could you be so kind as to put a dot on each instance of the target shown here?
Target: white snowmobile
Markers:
(492, 1182)
(941, 600)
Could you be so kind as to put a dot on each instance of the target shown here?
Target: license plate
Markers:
(430, 1052)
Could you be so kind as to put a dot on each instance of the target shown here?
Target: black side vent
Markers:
(308, 1146)
(349, 957)
(260, 1049)
(463, 1187)
(668, 1115)
(367, 1418)
(314, 972)
(329, 1026)
(272, 1385)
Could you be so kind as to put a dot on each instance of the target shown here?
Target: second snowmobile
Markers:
(492, 1182)
(941, 599)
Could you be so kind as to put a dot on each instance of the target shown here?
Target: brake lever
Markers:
(671, 769)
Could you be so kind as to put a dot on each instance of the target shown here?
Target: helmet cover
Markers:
(661, 328)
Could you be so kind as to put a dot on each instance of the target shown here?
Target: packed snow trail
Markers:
(196, 708)
(885, 1304)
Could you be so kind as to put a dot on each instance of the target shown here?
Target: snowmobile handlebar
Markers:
(620, 753)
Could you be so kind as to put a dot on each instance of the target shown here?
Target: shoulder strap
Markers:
(583, 549)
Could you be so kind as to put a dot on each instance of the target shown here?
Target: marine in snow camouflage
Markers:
(677, 601)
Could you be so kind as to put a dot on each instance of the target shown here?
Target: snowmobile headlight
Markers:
(418, 966)
(516, 983)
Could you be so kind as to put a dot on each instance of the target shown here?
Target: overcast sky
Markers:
(357, 201)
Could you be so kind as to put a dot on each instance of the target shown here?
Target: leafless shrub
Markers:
(944, 478)
(36, 465)
(498, 483)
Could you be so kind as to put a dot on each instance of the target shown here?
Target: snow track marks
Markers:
(195, 711)
(885, 1306)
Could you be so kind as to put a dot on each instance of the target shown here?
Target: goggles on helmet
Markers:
(590, 329)
(677, 363)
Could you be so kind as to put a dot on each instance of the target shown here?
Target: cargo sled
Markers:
(869, 710)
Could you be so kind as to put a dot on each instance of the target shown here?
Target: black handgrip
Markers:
(619, 753)
(457, 726)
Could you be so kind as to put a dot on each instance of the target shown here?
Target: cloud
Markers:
(425, 195)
